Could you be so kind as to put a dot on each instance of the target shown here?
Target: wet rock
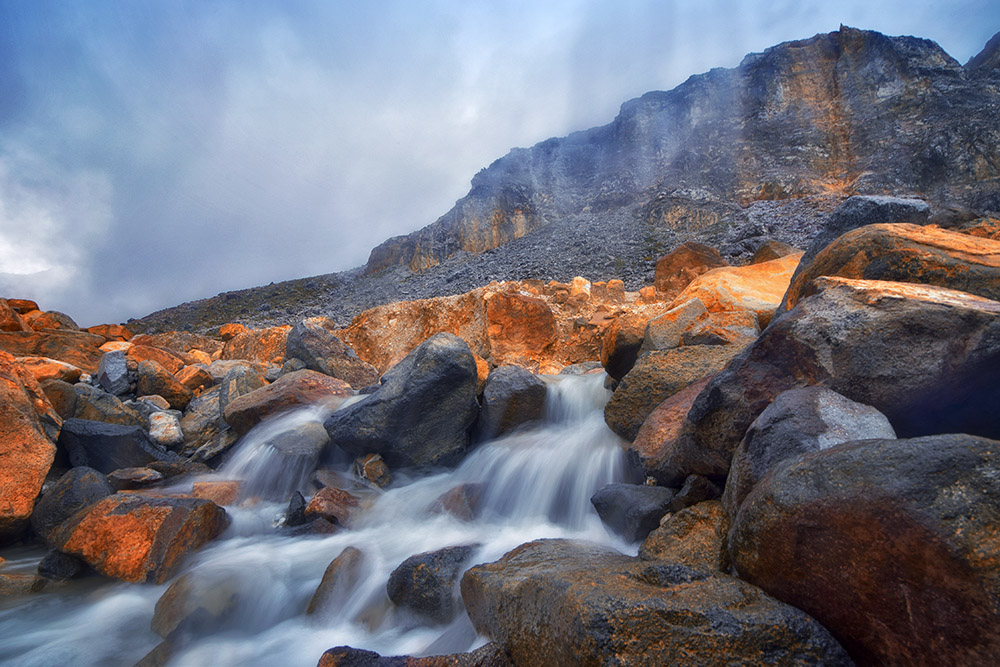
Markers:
(425, 583)
(462, 502)
(621, 343)
(14, 585)
(798, 421)
(44, 369)
(134, 478)
(220, 491)
(313, 342)
(205, 433)
(631, 510)
(582, 368)
(901, 541)
(422, 413)
(512, 397)
(558, 602)
(340, 577)
(195, 604)
(77, 489)
(95, 404)
(165, 429)
(56, 566)
(694, 536)
(62, 396)
(73, 347)
(140, 539)
(295, 514)
(318, 526)
(676, 270)
(263, 345)
(152, 378)
(490, 655)
(773, 249)
(334, 505)
(289, 391)
(108, 447)
(293, 454)
(373, 470)
(112, 373)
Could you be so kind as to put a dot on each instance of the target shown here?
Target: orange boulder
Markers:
(676, 270)
(43, 369)
(332, 504)
(50, 319)
(303, 387)
(113, 332)
(264, 345)
(138, 353)
(22, 306)
(230, 331)
(519, 328)
(10, 319)
(195, 378)
(74, 347)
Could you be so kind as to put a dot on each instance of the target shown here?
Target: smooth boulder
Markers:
(425, 583)
(632, 510)
(512, 397)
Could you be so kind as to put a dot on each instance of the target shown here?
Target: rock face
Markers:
(891, 544)
(556, 602)
(108, 447)
(140, 539)
(512, 397)
(313, 342)
(303, 387)
(425, 583)
(923, 356)
(677, 269)
(422, 412)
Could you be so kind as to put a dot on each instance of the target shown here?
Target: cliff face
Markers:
(849, 112)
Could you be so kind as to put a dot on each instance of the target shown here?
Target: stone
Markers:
(13, 585)
(772, 249)
(289, 391)
(50, 369)
(181, 343)
(340, 577)
(519, 327)
(631, 510)
(421, 414)
(559, 602)
(112, 373)
(112, 332)
(313, 342)
(220, 491)
(906, 253)
(676, 270)
(73, 347)
(263, 345)
(621, 344)
(229, 331)
(26, 450)
(57, 566)
(292, 455)
(694, 537)
(10, 319)
(51, 320)
(22, 306)
(220, 367)
(140, 539)
(165, 429)
(489, 655)
(195, 378)
(239, 381)
(77, 489)
(462, 502)
(108, 447)
(512, 397)
(657, 376)
(924, 356)
(425, 584)
(373, 470)
(116, 345)
(798, 421)
(696, 489)
(152, 378)
(195, 603)
(691, 323)
(95, 404)
(332, 504)
(62, 397)
(582, 368)
(206, 435)
(295, 513)
(138, 353)
(134, 478)
(891, 544)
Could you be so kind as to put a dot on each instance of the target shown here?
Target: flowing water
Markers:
(535, 483)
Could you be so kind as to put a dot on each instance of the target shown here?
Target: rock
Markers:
(292, 455)
(56, 566)
(482, 374)
(691, 323)
(519, 327)
(264, 345)
(631, 510)
(289, 391)
(152, 378)
(923, 356)
(206, 435)
(696, 489)
(772, 249)
(462, 502)
(108, 447)
(44, 369)
(425, 583)
(10, 319)
(181, 343)
(73, 347)
(26, 450)
(512, 397)
(295, 514)
(112, 373)
(373, 470)
(891, 544)
(22, 306)
(195, 603)
(798, 421)
(239, 381)
(14, 585)
(50, 320)
(311, 341)
(621, 344)
(195, 378)
(220, 491)
(138, 353)
(582, 368)
(341, 576)
(62, 397)
(490, 655)
(227, 332)
(95, 404)
(165, 429)
(112, 332)
(134, 478)
(422, 413)
(334, 505)
(657, 376)
(558, 602)
(909, 254)
(77, 489)
(221, 367)
(694, 537)
(676, 270)
(319, 526)
(140, 539)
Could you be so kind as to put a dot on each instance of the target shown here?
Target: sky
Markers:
(154, 152)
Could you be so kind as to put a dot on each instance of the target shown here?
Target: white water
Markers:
(537, 483)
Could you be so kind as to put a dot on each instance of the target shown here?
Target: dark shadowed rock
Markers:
(621, 343)
(339, 578)
(696, 489)
(632, 510)
(558, 602)
(112, 373)
(77, 489)
(62, 396)
(512, 397)
(891, 544)
(425, 583)
(490, 655)
(295, 514)
(108, 447)
(313, 342)
(57, 566)
(772, 249)
(422, 413)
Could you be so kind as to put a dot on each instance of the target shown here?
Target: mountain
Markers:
(728, 157)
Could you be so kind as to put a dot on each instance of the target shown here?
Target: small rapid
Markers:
(533, 483)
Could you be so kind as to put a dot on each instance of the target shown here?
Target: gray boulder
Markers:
(632, 510)
(312, 341)
(108, 447)
(425, 583)
(513, 396)
(112, 373)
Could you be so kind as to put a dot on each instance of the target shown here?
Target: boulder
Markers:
(264, 345)
(181, 342)
(313, 342)
(134, 478)
(694, 537)
(206, 435)
(295, 513)
(292, 455)
(10, 319)
(196, 604)
(512, 397)
(16, 584)
(372, 469)
(95, 404)
(26, 450)
(621, 343)
(489, 655)
(520, 328)
(462, 502)
(112, 332)
(112, 373)
(798, 421)
(237, 381)
(165, 429)
(152, 378)
(676, 270)
(57, 566)
(425, 583)
(221, 367)
(77, 489)
(62, 397)
(138, 353)
(140, 539)
(195, 378)
(334, 505)
(50, 320)
(422, 412)
(229, 331)
(631, 510)
(696, 489)
(891, 544)
(691, 323)
(909, 254)
(341, 576)
(558, 602)
(926, 357)
(44, 369)
(108, 447)
(772, 249)
(289, 391)
(74, 347)
(22, 306)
